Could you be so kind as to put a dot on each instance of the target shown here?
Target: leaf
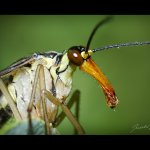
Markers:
(22, 128)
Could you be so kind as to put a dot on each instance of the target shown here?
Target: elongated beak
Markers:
(90, 67)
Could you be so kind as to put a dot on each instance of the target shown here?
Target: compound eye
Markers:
(75, 57)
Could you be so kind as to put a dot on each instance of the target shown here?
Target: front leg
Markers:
(75, 99)
(66, 110)
(39, 75)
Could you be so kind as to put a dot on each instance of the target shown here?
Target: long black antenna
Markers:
(121, 45)
(95, 29)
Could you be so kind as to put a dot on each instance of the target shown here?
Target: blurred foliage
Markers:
(10, 124)
(13, 127)
(22, 128)
(126, 68)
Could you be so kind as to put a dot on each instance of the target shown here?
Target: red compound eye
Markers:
(75, 57)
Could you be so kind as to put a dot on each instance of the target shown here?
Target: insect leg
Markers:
(75, 99)
(39, 74)
(72, 119)
(66, 110)
(43, 98)
(10, 100)
(29, 109)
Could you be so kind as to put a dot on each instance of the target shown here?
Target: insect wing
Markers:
(20, 63)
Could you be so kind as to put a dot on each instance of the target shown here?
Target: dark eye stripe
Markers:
(58, 58)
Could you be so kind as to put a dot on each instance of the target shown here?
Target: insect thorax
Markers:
(58, 81)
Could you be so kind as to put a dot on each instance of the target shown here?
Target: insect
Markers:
(35, 86)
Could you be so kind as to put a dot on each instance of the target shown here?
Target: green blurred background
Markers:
(126, 68)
